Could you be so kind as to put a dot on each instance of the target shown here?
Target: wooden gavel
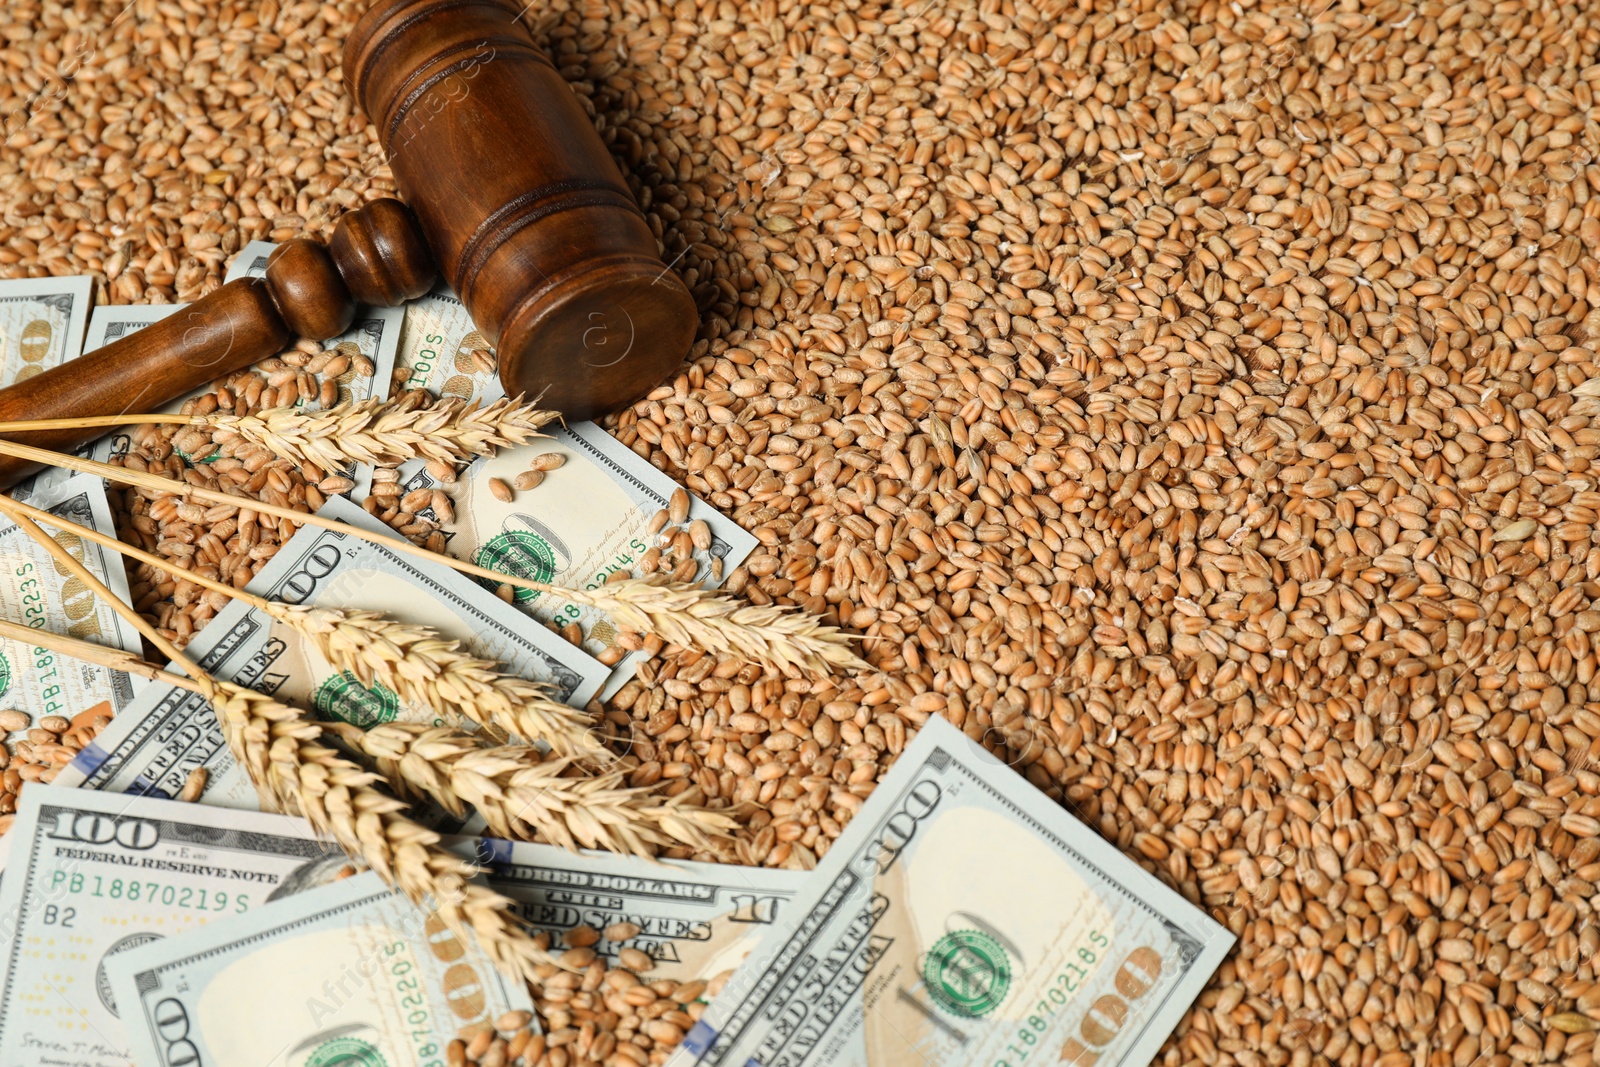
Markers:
(512, 197)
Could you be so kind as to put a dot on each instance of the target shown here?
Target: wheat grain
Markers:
(194, 786)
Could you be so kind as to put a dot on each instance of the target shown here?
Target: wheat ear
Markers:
(277, 746)
(679, 611)
(422, 667)
(694, 617)
(381, 432)
(414, 662)
(280, 749)
(387, 433)
(518, 792)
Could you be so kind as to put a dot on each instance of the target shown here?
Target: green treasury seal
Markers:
(520, 554)
(343, 697)
(346, 1052)
(967, 973)
(5, 674)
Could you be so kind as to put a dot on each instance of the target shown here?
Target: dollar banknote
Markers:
(695, 919)
(39, 592)
(152, 747)
(375, 334)
(587, 520)
(962, 918)
(348, 974)
(93, 875)
(41, 324)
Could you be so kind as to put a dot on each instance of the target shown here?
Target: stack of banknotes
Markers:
(961, 918)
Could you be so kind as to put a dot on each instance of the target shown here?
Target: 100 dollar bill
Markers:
(41, 324)
(587, 520)
(39, 592)
(695, 920)
(962, 918)
(91, 875)
(168, 732)
(250, 261)
(347, 974)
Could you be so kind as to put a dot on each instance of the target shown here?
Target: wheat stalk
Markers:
(519, 792)
(694, 617)
(278, 747)
(416, 663)
(114, 658)
(380, 432)
(678, 611)
(422, 667)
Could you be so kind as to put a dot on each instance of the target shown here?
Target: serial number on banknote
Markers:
(412, 997)
(136, 891)
(1097, 1025)
(36, 615)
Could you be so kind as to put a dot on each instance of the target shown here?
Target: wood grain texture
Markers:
(307, 290)
(530, 220)
(381, 254)
(229, 328)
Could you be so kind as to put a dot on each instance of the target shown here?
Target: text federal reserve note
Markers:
(695, 920)
(91, 875)
(153, 746)
(346, 975)
(39, 592)
(962, 918)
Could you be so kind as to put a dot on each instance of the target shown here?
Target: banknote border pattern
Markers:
(713, 1046)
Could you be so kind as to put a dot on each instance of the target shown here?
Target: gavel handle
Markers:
(376, 256)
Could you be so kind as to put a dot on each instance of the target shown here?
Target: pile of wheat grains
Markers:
(1187, 399)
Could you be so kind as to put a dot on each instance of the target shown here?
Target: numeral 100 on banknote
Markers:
(93, 828)
(1140, 971)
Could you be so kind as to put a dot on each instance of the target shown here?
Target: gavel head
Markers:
(524, 209)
